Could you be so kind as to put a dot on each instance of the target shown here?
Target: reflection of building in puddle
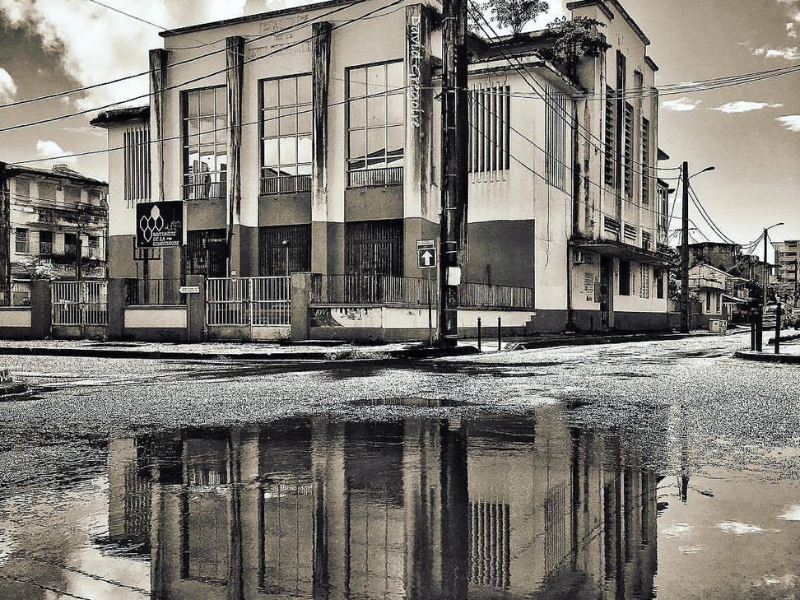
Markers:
(504, 507)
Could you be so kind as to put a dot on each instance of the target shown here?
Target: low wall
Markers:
(399, 324)
(15, 322)
(240, 333)
(155, 323)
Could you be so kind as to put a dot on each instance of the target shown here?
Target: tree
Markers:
(514, 14)
(574, 39)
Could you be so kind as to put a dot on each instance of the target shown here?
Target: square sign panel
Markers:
(160, 224)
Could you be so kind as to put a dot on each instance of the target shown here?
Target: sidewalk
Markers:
(321, 350)
(789, 353)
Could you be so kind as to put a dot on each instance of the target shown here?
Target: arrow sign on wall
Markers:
(426, 258)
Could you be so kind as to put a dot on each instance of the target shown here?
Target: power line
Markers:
(171, 65)
(707, 217)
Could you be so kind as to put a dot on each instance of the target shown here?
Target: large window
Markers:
(136, 147)
(374, 247)
(376, 106)
(284, 249)
(557, 136)
(610, 141)
(45, 242)
(489, 128)
(628, 149)
(205, 150)
(21, 241)
(207, 252)
(286, 121)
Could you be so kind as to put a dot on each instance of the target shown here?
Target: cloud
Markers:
(49, 148)
(742, 106)
(682, 104)
(791, 122)
(96, 44)
(8, 89)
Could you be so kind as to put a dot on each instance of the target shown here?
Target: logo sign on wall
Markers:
(160, 224)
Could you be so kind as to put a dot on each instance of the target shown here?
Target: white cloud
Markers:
(788, 53)
(742, 106)
(683, 104)
(49, 149)
(8, 89)
(96, 44)
(791, 122)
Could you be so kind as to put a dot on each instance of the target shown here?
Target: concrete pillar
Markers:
(196, 309)
(115, 306)
(158, 82)
(301, 301)
(323, 232)
(41, 312)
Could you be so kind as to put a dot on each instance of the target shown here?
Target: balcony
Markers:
(287, 184)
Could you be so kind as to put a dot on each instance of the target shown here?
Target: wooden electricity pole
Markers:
(454, 165)
(685, 311)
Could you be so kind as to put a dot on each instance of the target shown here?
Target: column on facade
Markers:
(327, 237)
(420, 208)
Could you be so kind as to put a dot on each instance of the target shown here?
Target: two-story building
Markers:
(307, 139)
(56, 227)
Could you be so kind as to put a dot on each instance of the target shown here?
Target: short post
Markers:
(778, 312)
(759, 329)
(499, 334)
(479, 334)
(752, 329)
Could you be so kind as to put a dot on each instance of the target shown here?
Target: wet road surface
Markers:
(662, 470)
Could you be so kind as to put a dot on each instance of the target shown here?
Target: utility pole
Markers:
(454, 165)
(766, 268)
(685, 250)
(5, 237)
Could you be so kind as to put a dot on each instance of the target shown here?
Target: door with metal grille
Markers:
(374, 248)
(284, 250)
(207, 252)
(79, 303)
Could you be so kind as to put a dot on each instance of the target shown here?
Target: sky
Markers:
(749, 133)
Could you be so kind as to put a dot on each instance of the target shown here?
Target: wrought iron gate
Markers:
(248, 301)
(79, 303)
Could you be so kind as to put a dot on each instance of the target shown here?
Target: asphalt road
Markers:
(712, 426)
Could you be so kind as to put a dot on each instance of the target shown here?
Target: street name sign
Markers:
(189, 289)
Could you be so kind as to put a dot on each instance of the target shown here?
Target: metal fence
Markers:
(79, 303)
(483, 295)
(248, 301)
(371, 289)
(153, 292)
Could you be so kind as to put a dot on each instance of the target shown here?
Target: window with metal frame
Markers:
(207, 252)
(375, 124)
(136, 157)
(644, 281)
(610, 141)
(556, 132)
(21, 240)
(22, 189)
(205, 145)
(45, 242)
(284, 250)
(46, 191)
(286, 123)
(628, 150)
(374, 247)
(72, 194)
(489, 115)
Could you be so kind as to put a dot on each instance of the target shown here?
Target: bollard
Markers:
(499, 334)
(752, 330)
(759, 331)
(778, 315)
(479, 334)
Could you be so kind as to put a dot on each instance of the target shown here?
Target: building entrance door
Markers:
(606, 293)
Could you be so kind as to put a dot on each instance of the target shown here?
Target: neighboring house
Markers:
(306, 152)
(57, 220)
(726, 257)
(721, 295)
(787, 255)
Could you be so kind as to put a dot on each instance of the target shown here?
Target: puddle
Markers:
(460, 506)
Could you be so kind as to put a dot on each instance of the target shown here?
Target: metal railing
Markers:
(484, 295)
(288, 184)
(153, 292)
(371, 289)
(46, 247)
(248, 301)
(375, 177)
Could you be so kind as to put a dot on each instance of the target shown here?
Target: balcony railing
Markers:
(46, 248)
(153, 292)
(375, 177)
(285, 185)
(371, 289)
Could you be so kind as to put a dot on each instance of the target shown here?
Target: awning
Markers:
(624, 251)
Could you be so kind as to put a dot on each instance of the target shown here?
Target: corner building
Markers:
(307, 139)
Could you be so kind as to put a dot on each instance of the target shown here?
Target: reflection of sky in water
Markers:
(474, 506)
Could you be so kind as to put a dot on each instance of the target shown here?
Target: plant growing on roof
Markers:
(573, 40)
(514, 14)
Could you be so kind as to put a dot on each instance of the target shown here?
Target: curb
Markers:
(786, 359)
